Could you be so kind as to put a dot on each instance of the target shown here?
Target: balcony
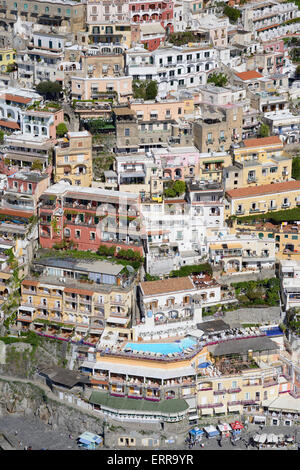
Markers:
(270, 383)
(251, 179)
(234, 390)
(285, 205)
(255, 210)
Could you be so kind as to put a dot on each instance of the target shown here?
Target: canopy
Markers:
(259, 419)
(263, 438)
(236, 425)
(196, 432)
(211, 431)
(89, 438)
(224, 427)
(272, 439)
(203, 365)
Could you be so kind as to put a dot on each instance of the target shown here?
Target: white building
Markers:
(284, 124)
(173, 68)
(171, 304)
(14, 100)
(289, 273)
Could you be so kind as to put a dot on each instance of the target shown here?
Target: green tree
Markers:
(179, 187)
(151, 90)
(50, 90)
(219, 79)
(61, 129)
(2, 137)
(296, 168)
(264, 130)
(232, 13)
(144, 89)
(37, 165)
(181, 38)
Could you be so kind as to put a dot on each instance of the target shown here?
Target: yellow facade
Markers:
(260, 161)
(7, 56)
(120, 32)
(262, 199)
(211, 167)
(76, 307)
(73, 159)
(287, 237)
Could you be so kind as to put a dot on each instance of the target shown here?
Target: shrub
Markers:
(61, 129)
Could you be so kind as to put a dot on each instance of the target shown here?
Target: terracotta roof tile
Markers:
(9, 124)
(15, 98)
(271, 140)
(264, 189)
(167, 285)
(249, 75)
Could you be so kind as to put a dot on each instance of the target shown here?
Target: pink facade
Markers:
(150, 12)
(179, 167)
(88, 220)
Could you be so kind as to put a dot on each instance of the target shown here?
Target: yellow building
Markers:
(219, 378)
(286, 236)
(7, 56)
(262, 199)
(76, 299)
(257, 162)
(110, 33)
(212, 165)
(73, 159)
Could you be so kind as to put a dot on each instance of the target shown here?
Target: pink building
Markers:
(153, 11)
(178, 165)
(83, 88)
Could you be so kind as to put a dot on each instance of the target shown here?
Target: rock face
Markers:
(25, 399)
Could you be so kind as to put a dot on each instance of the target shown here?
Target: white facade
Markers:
(290, 283)
(173, 68)
(11, 110)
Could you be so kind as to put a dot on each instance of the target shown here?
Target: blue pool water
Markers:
(164, 348)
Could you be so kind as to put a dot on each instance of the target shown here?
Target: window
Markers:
(68, 11)
(77, 233)
(127, 132)
(179, 236)
(92, 236)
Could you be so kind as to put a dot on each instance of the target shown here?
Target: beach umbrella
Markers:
(256, 438)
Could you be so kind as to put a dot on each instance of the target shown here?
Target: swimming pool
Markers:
(164, 348)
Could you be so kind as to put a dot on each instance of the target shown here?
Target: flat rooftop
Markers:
(242, 346)
(87, 266)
